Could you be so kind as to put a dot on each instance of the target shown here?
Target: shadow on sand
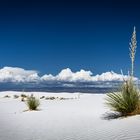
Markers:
(111, 116)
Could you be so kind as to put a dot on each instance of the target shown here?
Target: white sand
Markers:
(77, 119)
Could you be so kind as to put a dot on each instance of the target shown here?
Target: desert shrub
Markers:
(6, 96)
(127, 101)
(42, 97)
(15, 96)
(23, 95)
(50, 98)
(62, 98)
(32, 102)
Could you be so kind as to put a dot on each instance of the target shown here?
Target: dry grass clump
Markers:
(23, 95)
(57, 98)
(7, 96)
(15, 96)
(32, 102)
(50, 98)
(42, 97)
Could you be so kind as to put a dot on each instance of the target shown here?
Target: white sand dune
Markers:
(76, 119)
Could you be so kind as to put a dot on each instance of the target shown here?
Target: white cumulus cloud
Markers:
(14, 74)
(110, 76)
(66, 75)
(69, 76)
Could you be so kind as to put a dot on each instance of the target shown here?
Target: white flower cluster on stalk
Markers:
(133, 46)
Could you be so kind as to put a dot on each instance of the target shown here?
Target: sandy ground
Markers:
(74, 119)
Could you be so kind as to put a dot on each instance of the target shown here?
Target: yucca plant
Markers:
(126, 102)
(32, 102)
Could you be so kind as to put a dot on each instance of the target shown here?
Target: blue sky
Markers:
(49, 36)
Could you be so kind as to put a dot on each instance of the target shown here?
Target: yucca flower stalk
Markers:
(133, 46)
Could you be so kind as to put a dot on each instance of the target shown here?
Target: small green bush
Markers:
(32, 102)
(126, 102)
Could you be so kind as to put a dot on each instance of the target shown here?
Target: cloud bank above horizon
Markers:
(20, 75)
